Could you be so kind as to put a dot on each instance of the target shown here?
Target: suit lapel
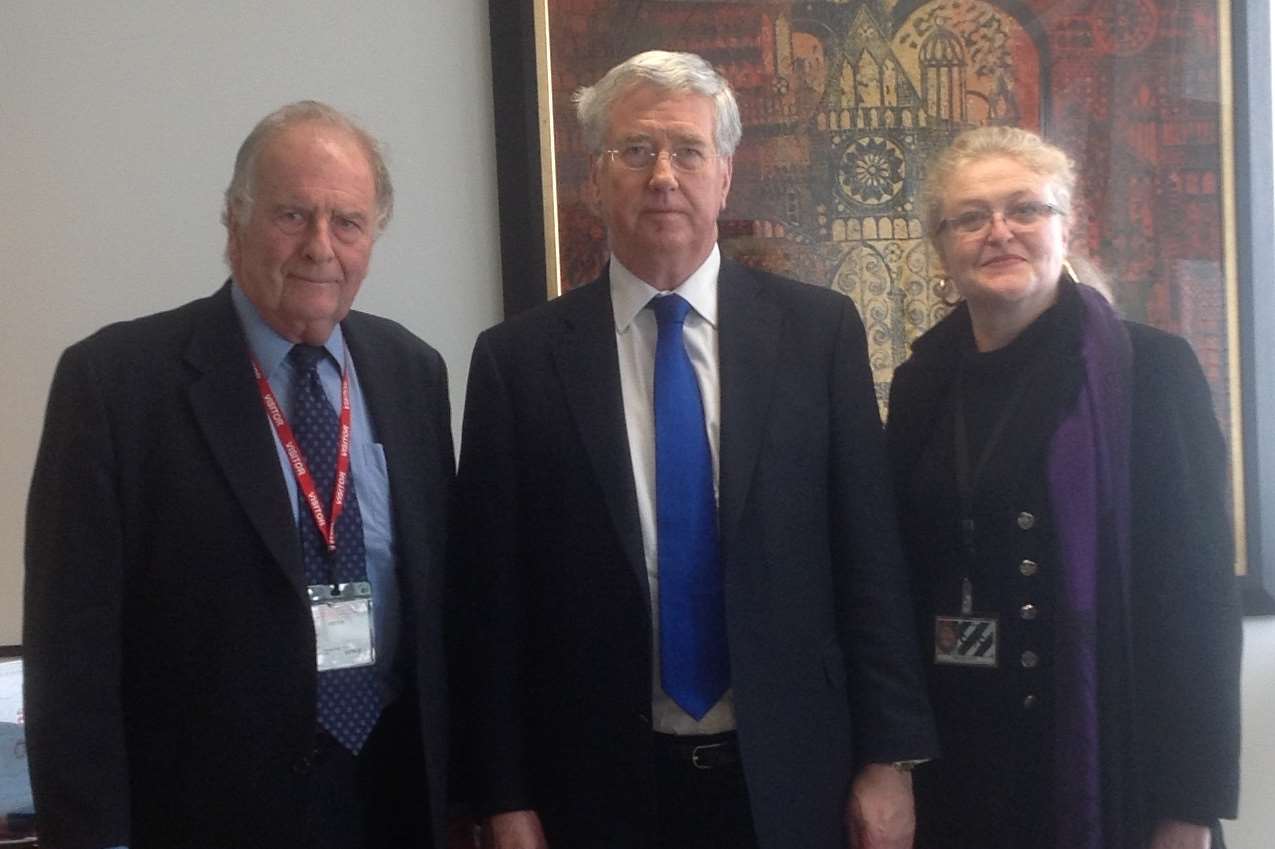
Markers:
(588, 365)
(228, 409)
(748, 344)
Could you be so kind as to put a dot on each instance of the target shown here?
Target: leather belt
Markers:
(706, 751)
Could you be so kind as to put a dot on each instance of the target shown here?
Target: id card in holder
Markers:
(342, 624)
(965, 640)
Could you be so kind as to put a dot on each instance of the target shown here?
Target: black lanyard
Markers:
(967, 478)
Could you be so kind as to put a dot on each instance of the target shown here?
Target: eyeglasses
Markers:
(639, 156)
(1019, 216)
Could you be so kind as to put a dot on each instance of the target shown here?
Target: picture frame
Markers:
(534, 126)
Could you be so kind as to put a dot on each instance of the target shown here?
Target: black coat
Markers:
(171, 675)
(1170, 696)
(823, 660)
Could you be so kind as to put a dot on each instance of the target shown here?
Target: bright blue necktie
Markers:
(349, 700)
(695, 668)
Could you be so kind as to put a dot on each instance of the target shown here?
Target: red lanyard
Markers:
(327, 529)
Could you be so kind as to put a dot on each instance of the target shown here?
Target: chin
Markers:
(1011, 287)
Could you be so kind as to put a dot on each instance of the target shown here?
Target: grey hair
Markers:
(1033, 152)
(239, 193)
(675, 72)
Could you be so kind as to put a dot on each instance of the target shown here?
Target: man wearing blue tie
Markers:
(235, 542)
(688, 624)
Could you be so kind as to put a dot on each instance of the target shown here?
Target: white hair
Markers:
(675, 72)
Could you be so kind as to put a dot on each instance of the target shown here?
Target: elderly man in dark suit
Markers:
(235, 539)
(688, 620)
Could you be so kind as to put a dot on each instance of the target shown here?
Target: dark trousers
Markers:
(378, 799)
(702, 801)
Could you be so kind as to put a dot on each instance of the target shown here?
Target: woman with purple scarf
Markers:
(1062, 494)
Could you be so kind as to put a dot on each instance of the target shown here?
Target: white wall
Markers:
(1255, 829)
(119, 123)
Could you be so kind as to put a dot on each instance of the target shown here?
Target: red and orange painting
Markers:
(842, 103)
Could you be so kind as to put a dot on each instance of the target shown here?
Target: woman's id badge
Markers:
(342, 624)
(965, 640)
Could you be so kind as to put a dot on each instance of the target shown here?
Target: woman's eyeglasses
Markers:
(1019, 216)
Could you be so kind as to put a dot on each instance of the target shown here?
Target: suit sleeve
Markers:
(1190, 617)
(73, 619)
(494, 629)
(888, 699)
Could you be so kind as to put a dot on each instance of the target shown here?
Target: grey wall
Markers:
(1255, 829)
(118, 127)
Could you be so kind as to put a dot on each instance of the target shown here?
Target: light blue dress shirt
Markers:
(367, 465)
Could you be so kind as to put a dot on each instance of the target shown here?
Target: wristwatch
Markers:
(908, 766)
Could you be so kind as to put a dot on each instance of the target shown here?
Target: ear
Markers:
(593, 188)
(728, 168)
(232, 239)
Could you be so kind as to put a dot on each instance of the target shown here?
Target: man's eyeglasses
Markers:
(639, 156)
(1019, 216)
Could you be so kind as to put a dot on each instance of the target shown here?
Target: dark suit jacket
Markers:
(824, 663)
(170, 683)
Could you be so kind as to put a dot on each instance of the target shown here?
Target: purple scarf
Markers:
(1088, 477)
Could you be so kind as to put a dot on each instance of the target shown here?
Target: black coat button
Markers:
(304, 765)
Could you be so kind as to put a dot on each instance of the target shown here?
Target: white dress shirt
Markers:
(636, 335)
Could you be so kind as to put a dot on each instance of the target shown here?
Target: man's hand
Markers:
(879, 812)
(514, 830)
(462, 832)
(1175, 834)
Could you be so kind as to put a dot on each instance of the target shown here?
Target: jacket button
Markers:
(1026, 521)
(1027, 611)
(304, 765)
(1030, 701)
(1030, 659)
(1028, 568)
(643, 720)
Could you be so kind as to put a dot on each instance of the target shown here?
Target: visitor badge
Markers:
(342, 616)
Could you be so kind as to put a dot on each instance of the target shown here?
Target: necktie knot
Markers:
(670, 309)
(305, 357)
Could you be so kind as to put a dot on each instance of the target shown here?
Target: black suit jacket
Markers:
(824, 663)
(1169, 643)
(170, 685)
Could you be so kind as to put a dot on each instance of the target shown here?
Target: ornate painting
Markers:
(842, 103)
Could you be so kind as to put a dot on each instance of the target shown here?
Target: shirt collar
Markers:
(630, 294)
(265, 343)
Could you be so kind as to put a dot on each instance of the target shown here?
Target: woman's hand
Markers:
(1175, 834)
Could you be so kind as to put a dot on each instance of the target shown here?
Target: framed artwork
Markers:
(843, 101)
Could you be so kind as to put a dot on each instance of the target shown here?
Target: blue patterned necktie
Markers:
(349, 699)
(694, 666)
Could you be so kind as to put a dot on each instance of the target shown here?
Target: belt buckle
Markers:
(695, 753)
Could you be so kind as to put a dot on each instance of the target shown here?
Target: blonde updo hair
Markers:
(1026, 147)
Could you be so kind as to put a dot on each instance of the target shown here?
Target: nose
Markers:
(998, 230)
(662, 174)
(318, 243)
